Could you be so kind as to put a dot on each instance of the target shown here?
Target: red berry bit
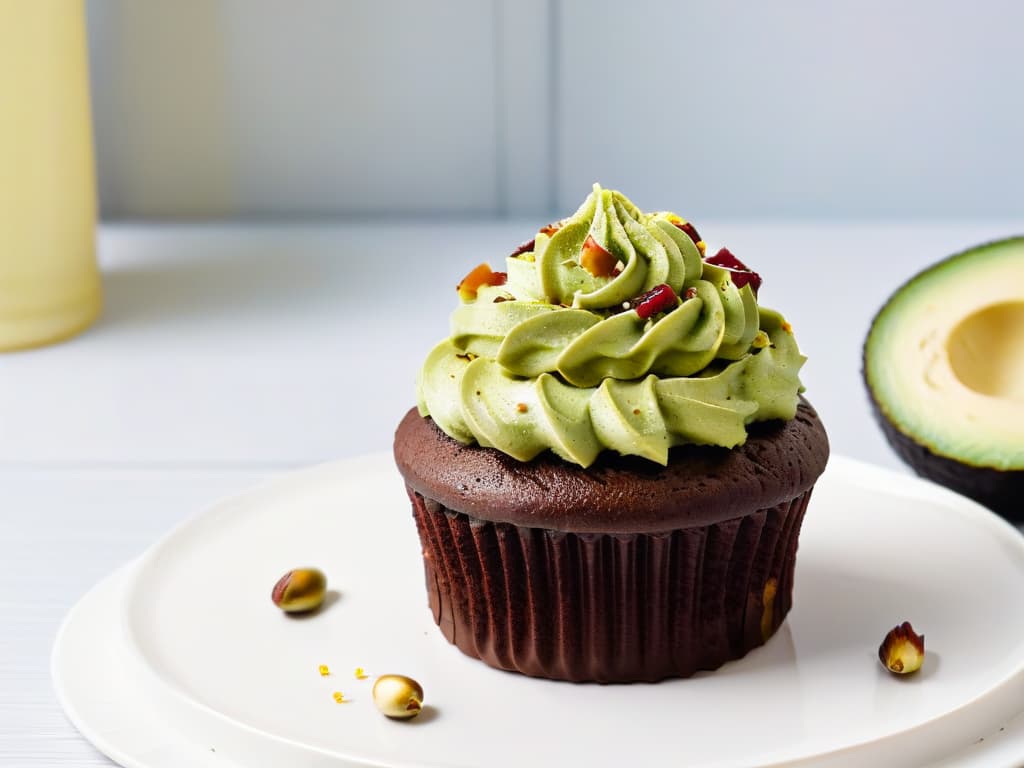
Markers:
(740, 273)
(529, 245)
(522, 248)
(661, 298)
(689, 229)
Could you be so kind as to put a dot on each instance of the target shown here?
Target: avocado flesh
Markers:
(944, 365)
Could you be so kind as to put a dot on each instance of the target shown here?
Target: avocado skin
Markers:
(1001, 491)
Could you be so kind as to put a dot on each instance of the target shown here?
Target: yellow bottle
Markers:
(49, 282)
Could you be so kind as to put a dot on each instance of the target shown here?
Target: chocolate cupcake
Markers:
(610, 460)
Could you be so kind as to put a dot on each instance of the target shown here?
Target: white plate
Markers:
(205, 662)
(99, 688)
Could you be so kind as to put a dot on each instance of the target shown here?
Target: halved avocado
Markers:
(944, 365)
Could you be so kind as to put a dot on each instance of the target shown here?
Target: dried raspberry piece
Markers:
(689, 229)
(660, 298)
(522, 248)
(726, 258)
(529, 245)
(740, 273)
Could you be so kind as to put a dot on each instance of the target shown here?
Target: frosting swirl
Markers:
(561, 356)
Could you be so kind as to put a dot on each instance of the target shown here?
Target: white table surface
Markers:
(230, 352)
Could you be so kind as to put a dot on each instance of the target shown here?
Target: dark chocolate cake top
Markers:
(700, 485)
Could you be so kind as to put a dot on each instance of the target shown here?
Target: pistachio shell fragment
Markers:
(300, 590)
(398, 696)
(902, 651)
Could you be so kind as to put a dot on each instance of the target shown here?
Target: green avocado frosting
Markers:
(565, 355)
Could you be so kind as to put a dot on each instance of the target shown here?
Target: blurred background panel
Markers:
(257, 107)
(368, 107)
(795, 108)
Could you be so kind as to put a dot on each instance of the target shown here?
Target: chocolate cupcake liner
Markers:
(608, 607)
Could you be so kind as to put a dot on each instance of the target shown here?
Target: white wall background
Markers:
(797, 108)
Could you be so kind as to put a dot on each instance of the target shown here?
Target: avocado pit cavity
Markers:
(986, 351)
